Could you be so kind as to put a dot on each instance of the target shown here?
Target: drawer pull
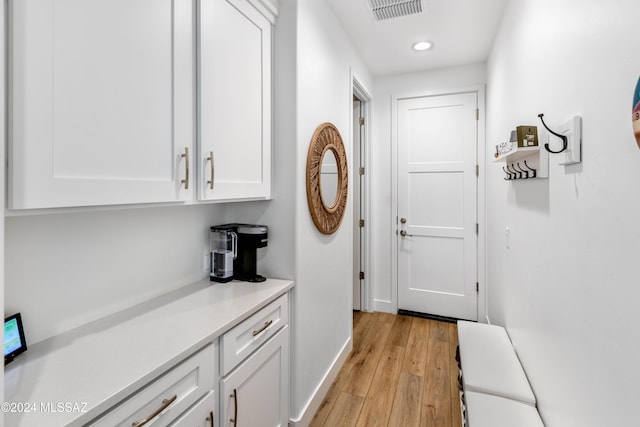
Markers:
(210, 418)
(234, 396)
(165, 405)
(265, 326)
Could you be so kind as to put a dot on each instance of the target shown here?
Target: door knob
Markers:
(403, 220)
(405, 234)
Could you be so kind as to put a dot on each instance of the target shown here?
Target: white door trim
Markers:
(481, 195)
(358, 89)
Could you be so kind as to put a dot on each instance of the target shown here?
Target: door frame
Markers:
(359, 91)
(481, 194)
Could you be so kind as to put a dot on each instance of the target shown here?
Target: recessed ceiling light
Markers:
(423, 45)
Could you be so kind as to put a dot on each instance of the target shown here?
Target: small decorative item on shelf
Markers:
(507, 147)
(527, 136)
(636, 113)
(503, 148)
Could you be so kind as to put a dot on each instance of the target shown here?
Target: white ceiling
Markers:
(462, 32)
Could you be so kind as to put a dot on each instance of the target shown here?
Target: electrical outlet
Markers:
(507, 238)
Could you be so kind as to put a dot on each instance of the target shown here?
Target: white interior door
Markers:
(357, 207)
(437, 205)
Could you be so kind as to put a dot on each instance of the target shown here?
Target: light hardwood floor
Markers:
(401, 372)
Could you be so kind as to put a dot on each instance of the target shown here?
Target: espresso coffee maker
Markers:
(250, 237)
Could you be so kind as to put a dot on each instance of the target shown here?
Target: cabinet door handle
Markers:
(185, 181)
(165, 405)
(234, 396)
(210, 418)
(265, 326)
(210, 182)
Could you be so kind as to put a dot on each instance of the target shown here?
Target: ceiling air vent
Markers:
(387, 9)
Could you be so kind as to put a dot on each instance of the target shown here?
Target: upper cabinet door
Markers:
(235, 101)
(101, 102)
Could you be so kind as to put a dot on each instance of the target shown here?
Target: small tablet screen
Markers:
(14, 342)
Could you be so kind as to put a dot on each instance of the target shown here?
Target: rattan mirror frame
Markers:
(326, 218)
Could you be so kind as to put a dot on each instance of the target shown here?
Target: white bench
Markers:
(496, 389)
(487, 410)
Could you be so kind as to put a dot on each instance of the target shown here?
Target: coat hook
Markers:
(525, 172)
(563, 137)
(508, 178)
(531, 169)
(516, 174)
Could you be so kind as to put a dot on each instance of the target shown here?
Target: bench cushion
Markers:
(485, 410)
(489, 363)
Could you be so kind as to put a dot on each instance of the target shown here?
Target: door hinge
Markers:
(477, 288)
(477, 170)
(477, 114)
(361, 223)
(361, 171)
(361, 121)
(477, 228)
(362, 275)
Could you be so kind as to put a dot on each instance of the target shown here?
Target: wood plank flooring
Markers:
(402, 372)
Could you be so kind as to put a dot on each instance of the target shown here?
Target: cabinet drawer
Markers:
(175, 391)
(199, 415)
(245, 338)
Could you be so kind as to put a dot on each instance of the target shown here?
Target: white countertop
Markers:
(101, 363)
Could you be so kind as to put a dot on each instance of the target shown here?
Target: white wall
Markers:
(385, 297)
(567, 290)
(64, 270)
(322, 298)
(277, 259)
(2, 179)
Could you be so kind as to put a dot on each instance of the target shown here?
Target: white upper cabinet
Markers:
(102, 102)
(234, 41)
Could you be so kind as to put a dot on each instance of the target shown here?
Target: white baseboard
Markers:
(322, 389)
(383, 306)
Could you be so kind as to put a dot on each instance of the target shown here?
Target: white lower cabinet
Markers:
(168, 396)
(253, 358)
(199, 415)
(256, 392)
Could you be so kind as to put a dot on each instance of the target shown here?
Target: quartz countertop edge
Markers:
(99, 364)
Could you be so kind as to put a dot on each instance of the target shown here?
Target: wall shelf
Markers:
(518, 153)
(536, 157)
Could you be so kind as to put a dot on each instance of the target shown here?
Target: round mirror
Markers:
(329, 178)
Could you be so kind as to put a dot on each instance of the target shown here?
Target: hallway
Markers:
(401, 372)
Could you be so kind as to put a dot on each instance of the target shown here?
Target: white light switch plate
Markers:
(572, 129)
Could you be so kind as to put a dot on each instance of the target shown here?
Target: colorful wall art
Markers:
(636, 113)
